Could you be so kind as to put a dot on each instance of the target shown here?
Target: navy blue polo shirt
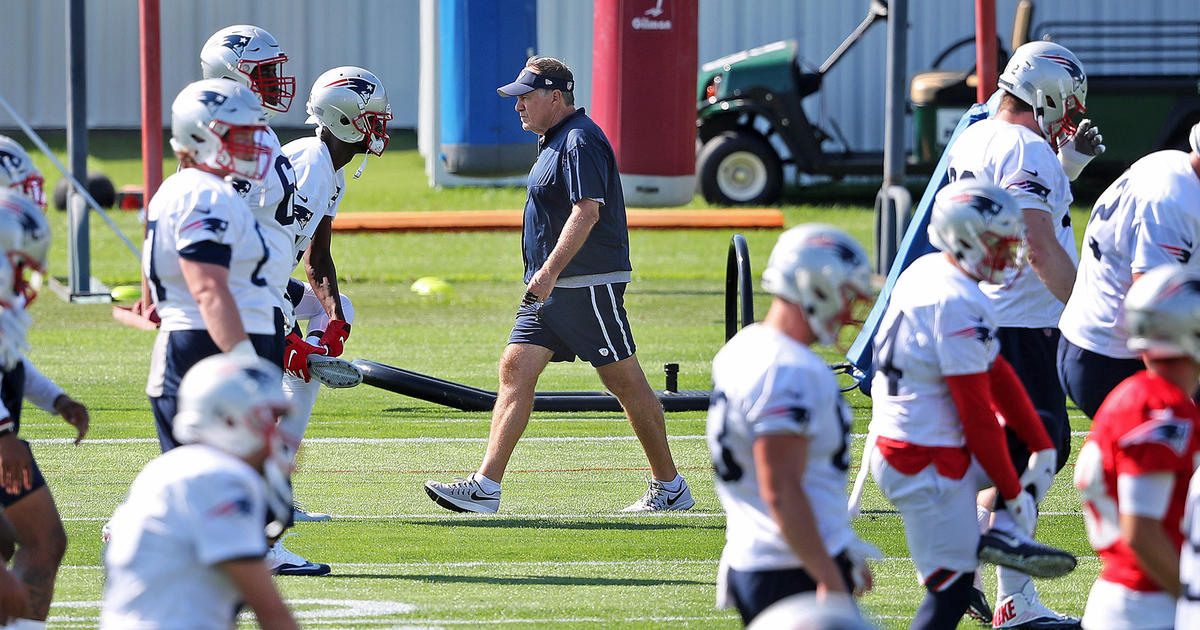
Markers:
(575, 161)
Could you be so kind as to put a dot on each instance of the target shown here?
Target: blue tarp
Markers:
(914, 245)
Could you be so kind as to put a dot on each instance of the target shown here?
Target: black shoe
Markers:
(1025, 555)
(978, 609)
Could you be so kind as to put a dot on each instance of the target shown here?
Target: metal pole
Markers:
(985, 49)
(893, 202)
(894, 100)
(151, 75)
(79, 274)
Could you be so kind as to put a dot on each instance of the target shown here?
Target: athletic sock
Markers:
(26, 624)
(1009, 582)
(672, 485)
(486, 484)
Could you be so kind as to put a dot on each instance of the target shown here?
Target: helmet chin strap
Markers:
(361, 167)
(1039, 112)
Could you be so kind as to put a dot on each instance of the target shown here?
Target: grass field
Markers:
(558, 555)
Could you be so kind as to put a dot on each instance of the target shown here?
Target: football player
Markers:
(251, 56)
(1149, 217)
(1032, 147)
(779, 431)
(187, 543)
(24, 495)
(1187, 610)
(1133, 470)
(21, 176)
(204, 253)
(938, 388)
(351, 111)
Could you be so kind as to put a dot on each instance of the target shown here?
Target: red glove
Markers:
(335, 336)
(295, 356)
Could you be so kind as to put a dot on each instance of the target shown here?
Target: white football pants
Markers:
(304, 395)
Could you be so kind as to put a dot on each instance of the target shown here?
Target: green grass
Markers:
(558, 555)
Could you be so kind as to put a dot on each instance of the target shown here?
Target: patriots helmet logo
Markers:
(9, 161)
(843, 252)
(983, 205)
(1072, 68)
(236, 43)
(258, 376)
(359, 85)
(211, 100)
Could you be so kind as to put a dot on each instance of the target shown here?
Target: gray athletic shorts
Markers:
(588, 323)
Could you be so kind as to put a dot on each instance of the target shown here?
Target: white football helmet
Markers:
(1162, 312)
(822, 270)
(25, 238)
(980, 225)
(351, 103)
(222, 125)
(1050, 79)
(231, 403)
(18, 172)
(251, 56)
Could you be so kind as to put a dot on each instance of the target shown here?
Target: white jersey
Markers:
(937, 324)
(272, 202)
(767, 383)
(189, 510)
(1148, 217)
(1187, 612)
(319, 188)
(1018, 160)
(193, 207)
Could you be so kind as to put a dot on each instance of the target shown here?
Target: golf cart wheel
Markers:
(737, 168)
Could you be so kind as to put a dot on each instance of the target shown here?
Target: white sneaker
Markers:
(658, 499)
(463, 495)
(1026, 610)
(282, 561)
(301, 515)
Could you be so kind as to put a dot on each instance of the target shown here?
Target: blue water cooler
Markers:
(483, 44)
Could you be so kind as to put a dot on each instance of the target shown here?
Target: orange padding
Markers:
(463, 220)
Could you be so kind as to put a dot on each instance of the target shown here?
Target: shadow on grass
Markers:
(616, 523)
(528, 580)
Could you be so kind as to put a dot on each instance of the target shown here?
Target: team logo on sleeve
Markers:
(1163, 427)
(978, 331)
(236, 43)
(359, 85)
(1178, 253)
(212, 224)
(1033, 187)
(240, 505)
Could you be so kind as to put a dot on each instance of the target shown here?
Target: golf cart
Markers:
(751, 123)
(1139, 112)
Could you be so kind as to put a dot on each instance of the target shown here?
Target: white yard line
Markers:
(530, 564)
(422, 440)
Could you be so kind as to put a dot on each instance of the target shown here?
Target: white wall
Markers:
(382, 35)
